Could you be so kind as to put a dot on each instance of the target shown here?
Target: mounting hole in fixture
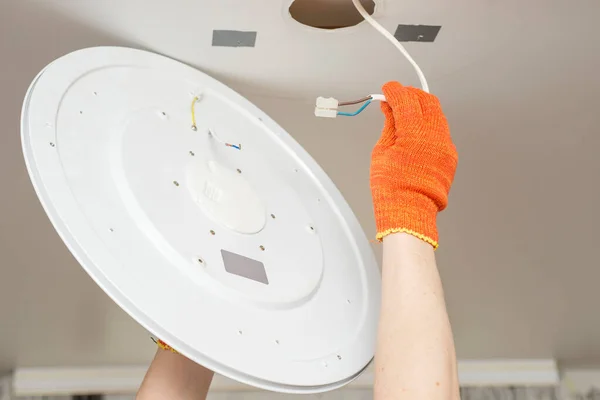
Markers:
(95, 93)
(80, 112)
(328, 14)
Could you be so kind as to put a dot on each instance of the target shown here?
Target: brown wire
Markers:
(349, 103)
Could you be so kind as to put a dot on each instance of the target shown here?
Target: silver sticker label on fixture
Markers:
(245, 267)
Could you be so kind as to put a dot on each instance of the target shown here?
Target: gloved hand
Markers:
(163, 345)
(412, 165)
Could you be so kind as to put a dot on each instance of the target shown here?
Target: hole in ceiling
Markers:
(329, 14)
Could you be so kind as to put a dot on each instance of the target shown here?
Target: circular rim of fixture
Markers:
(249, 260)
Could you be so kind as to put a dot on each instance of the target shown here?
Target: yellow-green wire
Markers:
(194, 127)
(194, 100)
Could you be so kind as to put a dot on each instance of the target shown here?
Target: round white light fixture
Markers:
(225, 239)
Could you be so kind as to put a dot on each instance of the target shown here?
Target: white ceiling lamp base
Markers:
(245, 259)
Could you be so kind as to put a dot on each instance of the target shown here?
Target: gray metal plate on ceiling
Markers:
(225, 38)
(417, 33)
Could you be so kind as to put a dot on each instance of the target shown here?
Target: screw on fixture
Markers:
(212, 232)
(194, 128)
(273, 216)
(175, 183)
(192, 153)
(52, 144)
(339, 357)
(276, 341)
(200, 261)
(239, 171)
(261, 247)
(111, 230)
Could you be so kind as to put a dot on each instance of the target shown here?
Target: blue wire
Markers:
(345, 114)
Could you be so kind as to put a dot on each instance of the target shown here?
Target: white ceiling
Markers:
(519, 83)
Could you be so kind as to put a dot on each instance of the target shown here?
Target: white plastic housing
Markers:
(326, 107)
(321, 112)
(248, 261)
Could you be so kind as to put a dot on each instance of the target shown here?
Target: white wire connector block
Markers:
(327, 107)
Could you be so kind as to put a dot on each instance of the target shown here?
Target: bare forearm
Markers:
(415, 356)
(174, 377)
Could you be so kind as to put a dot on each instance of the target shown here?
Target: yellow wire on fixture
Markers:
(194, 101)
(210, 132)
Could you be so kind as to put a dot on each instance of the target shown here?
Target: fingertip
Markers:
(386, 109)
(429, 103)
(389, 131)
(402, 99)
(392, 89)
(388, 113)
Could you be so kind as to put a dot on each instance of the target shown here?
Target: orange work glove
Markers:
(163, 345)
(412, 165)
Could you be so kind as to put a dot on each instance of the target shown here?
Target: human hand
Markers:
(175, 377)
(412, 165)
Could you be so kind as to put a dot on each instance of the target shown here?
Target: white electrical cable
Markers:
(328, 107)
(377, 97)
(394, 41)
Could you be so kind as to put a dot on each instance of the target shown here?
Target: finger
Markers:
(432, 112)
(404, 102)
(388, 135)
(430, 104)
